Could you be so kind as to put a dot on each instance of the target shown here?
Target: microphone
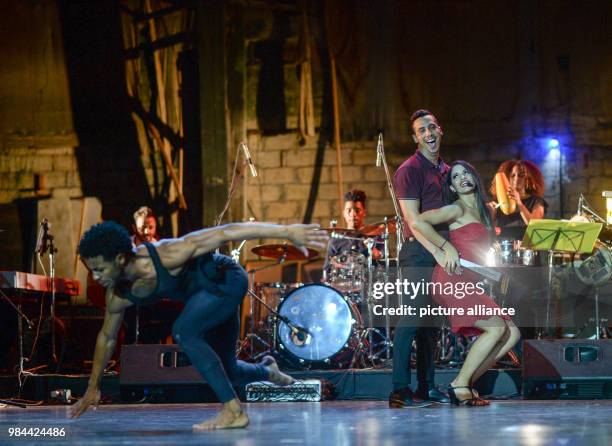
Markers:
(249, 160)
(41, 240)
(379, 149)
(299, 335)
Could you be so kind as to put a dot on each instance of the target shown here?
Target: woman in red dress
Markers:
(471, 234)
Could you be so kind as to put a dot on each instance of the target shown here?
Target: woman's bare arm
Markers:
(443, 251)
(425, 222)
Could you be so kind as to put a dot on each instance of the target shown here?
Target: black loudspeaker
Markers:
(160, 373)
(567, 369)
(156, 364)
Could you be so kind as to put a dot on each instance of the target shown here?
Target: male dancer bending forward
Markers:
(212, 286)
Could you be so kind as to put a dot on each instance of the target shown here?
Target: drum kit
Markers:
(320, 325)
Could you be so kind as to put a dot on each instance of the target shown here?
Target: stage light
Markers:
(607, 194)
(555, 153)
(491, 257)
(554, 148)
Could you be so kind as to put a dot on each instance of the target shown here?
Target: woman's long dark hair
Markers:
(481, 194)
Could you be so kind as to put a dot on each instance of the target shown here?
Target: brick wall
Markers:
(281, 191)
(55, 168)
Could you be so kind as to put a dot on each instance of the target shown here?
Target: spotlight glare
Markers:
(553, 143)
(554, 153)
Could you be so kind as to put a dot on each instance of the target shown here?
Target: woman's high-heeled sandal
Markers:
(473, 402)
(482, 401)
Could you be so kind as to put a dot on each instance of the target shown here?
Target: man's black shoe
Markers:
(405, 399)
(434, 395)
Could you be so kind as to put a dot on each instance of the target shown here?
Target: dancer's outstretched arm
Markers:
(175, 252)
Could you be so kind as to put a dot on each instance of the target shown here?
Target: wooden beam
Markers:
(158, 44)
(168, 161)
(337, 134)
(166, 149)
(236, 96)
(210, 43)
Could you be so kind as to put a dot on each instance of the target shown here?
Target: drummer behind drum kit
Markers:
(320, 325)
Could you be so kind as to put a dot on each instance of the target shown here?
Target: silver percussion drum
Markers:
(348, 274)
(506, 255)
(526, 257)
(331, 321)
(510, 252)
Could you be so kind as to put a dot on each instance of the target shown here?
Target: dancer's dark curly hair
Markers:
(105, 239)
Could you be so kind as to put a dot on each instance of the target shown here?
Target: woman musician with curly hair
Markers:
(526, 188)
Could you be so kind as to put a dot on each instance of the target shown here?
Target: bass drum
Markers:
(331, 321)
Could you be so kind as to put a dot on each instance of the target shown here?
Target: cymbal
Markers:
(389, 220)
(345, 231)
(277, 251)
(378, 228)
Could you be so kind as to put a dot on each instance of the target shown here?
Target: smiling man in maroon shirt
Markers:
(418, 186)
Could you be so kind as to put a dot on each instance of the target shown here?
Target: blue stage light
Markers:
(554, 153)
(553, 143)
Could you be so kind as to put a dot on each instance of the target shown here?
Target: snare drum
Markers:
(330, 321)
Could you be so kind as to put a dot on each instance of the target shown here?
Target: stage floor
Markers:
(536, 423)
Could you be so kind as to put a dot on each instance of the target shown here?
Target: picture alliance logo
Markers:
(411, 289)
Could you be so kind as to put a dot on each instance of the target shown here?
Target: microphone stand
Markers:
(294, 327)
(399, 221)
(398, 212)
(44, 244)
(233, 187)
(52, 252)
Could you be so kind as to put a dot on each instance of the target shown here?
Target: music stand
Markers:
(560, 236)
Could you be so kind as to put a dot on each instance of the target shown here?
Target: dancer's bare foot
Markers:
(276, 376)
(231, 417)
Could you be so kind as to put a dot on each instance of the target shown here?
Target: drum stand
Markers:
(451, 353)
(600, 324)
(252, 338)
(296, 329)
(370, 331)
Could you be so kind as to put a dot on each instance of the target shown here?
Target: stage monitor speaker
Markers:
(567, 369)
(162, 373)
(145, 364)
